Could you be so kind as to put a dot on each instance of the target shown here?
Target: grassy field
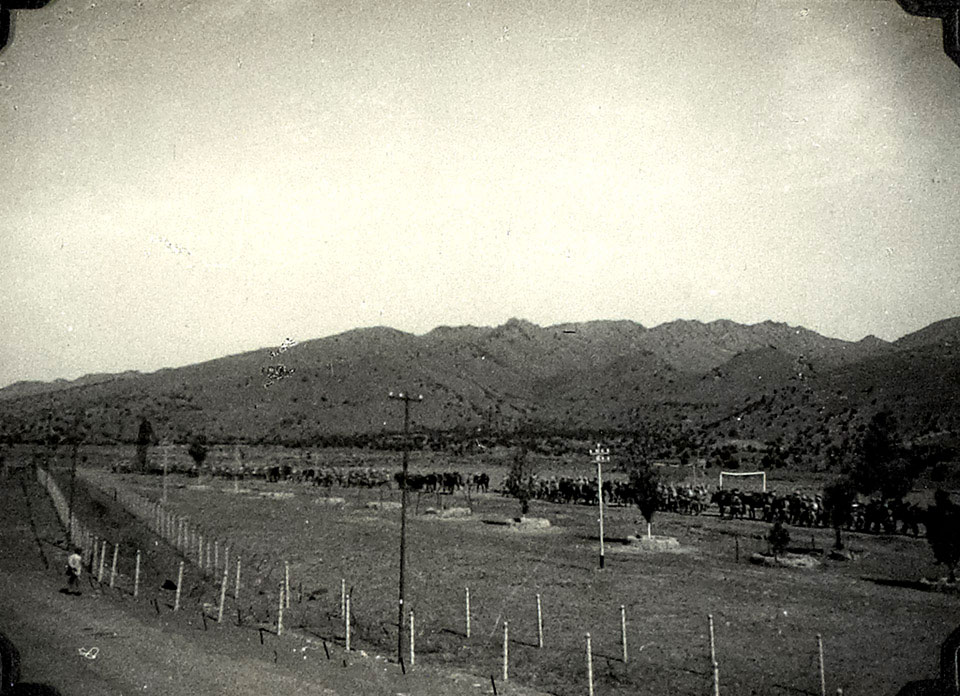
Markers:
(878, 629)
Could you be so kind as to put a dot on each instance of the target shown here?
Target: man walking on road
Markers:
(74, 568)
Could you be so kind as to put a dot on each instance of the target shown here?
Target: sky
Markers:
(185, 180)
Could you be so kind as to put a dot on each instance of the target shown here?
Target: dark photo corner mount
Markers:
(948, 12)
(6, 18)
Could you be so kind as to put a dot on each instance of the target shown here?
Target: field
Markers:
(878, 629)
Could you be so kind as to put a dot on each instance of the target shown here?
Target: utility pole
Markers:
(165, 453)
(406, 399)
(600, 455)
(75, 453)
(73, 479)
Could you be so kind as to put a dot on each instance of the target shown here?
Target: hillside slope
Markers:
(678, 381)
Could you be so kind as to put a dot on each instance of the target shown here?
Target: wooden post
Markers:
(280, 613)
(413, 654)
(223, 594)
(176, 601)
(713, 646)
(103, 552)
(216, 556)
(468, 611)
(589, 667)
(113, 567)
(93, 554)
(600, 455)
(506, 650)
(286, 582)
(623, 632)
(539, 623)
(343, 597)
(136, 576)
(165, 457)
(956, 670)
(346, 622)
(713, 659)
(236, 591)
(200, 551)
(823, 681)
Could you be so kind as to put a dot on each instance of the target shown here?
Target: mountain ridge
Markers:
(765, 380)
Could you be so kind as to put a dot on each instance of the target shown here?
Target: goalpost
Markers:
(761, 474)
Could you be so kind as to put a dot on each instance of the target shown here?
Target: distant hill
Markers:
(30, 388)
(681, 386)
(945, 333)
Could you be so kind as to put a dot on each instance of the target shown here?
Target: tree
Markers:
(943, 532)
(645, 491)
(198, 449)
(778, 537)
(145, 438)
(521, 482)
(838, 499)
(882, 465)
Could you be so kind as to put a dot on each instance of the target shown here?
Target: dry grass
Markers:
(878, 630)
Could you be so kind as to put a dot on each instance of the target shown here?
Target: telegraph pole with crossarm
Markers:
(600, 455)
(406, 399)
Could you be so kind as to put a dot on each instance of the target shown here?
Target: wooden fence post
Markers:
(223, 594)
(346, 622)
(136, 576)
(113, 566)
(236, 591)
(176, 601)
(823, 681)
(539, 623)
(589, 667)
(286, 582)
(506, 651)
(413, 654)
(280, 613)
(103, 552)
(623, 632)
(468, 612)
(713, 659)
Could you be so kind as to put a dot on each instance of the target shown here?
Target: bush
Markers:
(838, 499)
(198, 450)
(520, 482)
(645, 489)
(943, 533)
(779, 538)
(939, 472)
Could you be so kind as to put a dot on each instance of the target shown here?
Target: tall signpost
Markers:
(600, 455)
(406, 399)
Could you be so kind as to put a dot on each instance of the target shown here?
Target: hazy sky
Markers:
(185, 180)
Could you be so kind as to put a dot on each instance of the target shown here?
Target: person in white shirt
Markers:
(74, 568)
